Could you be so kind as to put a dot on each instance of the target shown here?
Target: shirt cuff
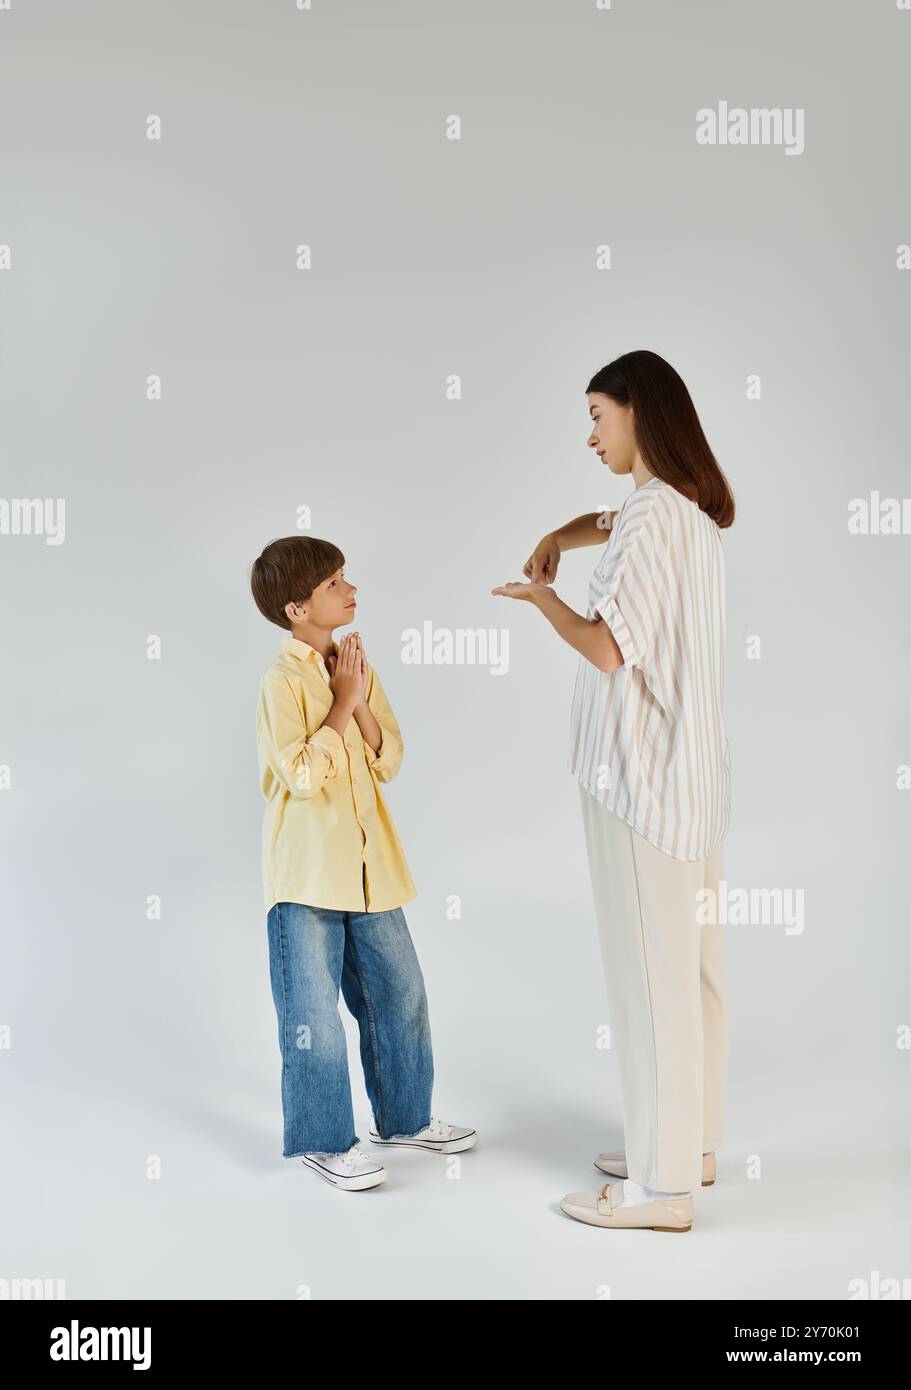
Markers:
(375, 759)
(332, 744)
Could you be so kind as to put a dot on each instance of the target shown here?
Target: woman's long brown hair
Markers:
(670, 437)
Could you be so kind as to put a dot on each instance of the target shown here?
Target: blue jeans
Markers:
(312, 952)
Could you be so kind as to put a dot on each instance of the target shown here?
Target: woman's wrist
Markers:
(544, 595)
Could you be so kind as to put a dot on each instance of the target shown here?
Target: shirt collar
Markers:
(302, 650)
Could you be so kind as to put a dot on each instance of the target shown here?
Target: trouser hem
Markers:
(321, 1149)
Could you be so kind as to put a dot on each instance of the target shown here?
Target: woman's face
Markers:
(612, 436)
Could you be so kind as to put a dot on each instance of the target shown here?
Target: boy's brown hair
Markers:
(288, 571)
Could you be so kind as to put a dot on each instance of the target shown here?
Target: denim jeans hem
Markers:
(315, 1149)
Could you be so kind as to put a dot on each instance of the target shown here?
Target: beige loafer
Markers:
(615, 1164)
(603, 1209)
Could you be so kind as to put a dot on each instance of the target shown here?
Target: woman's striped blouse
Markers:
(649, 739)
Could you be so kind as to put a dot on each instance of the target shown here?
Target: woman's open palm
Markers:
(515, 589)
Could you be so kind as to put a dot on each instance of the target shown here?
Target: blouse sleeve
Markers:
(635, 597)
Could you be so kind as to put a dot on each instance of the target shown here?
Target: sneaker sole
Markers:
(452, 1146)
(366, 1180)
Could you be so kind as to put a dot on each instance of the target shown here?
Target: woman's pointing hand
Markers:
(543, 561)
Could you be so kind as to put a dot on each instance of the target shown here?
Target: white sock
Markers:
(634, 1194)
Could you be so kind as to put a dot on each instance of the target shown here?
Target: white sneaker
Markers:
(438, 1137)
(351, 1171)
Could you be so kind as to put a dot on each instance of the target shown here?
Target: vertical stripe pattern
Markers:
(649, 739)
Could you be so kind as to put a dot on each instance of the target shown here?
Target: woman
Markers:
(649, 749)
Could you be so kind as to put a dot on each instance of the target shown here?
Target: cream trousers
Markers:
(667, 995)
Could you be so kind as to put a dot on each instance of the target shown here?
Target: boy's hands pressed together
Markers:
(347, 681)
(348, 673)
(351, 692)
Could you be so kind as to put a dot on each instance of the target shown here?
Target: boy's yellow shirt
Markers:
(326, 828)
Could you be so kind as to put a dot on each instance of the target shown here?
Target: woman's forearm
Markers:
(591, 529)
(593, 640)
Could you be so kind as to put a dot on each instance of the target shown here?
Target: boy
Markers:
(335, 879)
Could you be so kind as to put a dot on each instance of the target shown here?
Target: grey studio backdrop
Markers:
(140, 1064)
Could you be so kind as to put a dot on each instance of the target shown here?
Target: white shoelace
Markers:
(353, 1155)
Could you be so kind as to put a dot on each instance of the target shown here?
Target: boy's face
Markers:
(330, 605)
